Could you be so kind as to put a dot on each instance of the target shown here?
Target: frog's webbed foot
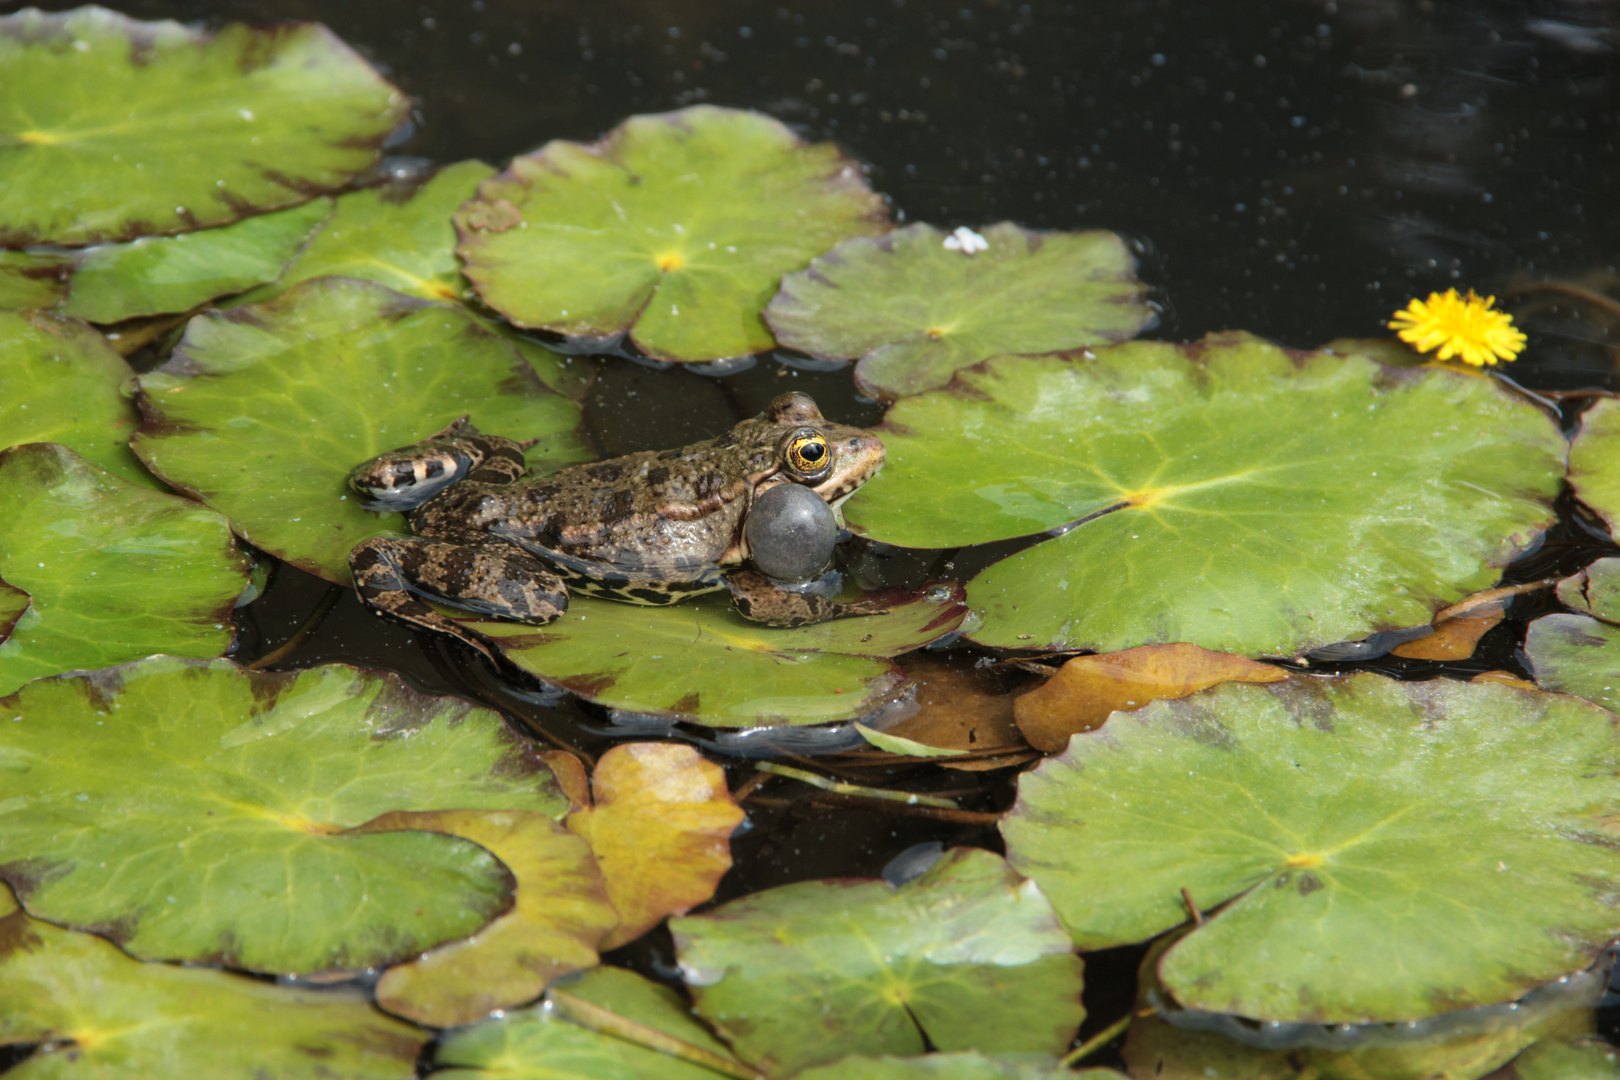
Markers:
(762, 600)
(405, 478)
(391, 576)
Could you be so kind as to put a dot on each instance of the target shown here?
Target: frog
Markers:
(652, 527)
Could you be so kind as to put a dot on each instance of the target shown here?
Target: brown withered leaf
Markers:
(1087, 688)
(1453, 639)
(960, 710)
(558, 917)
(570, 775)
(1506, 677)
(661, 830)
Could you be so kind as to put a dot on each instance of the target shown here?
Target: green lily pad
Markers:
(967, 956)
(104, 1015)
(1384, 851)
(1225, 493)
(964, 1065)
(1594, 461)
(1595, 590)
(539, 1044)
(676, 228)
(400, 235)
(1589, 1059)
(159, 274)
(1576, 654)
(264, 409)
(33, 279)
(13, 606)
(913, 310)
(197, 811)
(59, 382)
(115, 571)
(112, 128)
(699, 660)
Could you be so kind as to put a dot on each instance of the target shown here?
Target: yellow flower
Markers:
(1467, 328)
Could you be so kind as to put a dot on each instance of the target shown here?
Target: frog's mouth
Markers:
(859, 459)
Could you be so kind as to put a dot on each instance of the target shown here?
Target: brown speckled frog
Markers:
(646, 528)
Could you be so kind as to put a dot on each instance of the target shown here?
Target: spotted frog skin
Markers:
(646, 528)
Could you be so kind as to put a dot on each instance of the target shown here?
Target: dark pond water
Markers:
(1295, 168)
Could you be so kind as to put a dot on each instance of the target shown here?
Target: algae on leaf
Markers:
(1345, 830)
(1226, 493)
(112, 128)
(113, 571)
(201, 812)
(263, 409)
(913, 311)
(967, 956)
(676, 228)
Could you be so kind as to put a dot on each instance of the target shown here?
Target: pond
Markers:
(1298, 171)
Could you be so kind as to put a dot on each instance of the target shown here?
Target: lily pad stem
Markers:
(590, 1015)
(1096, 1042)
(280, 653)
(842, 788)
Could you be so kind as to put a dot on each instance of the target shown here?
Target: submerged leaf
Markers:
(676, 228)
(1351, 828)
(114, 571)
(701, 661)
(1226, 493)
(553, 928)
(965, 956)
(99, 1013)
(197, 811)
(913, 311)
(264, 409)
(112, 128)
(660, 828)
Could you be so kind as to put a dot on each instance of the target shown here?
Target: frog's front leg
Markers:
(489, 577)
(762, 600)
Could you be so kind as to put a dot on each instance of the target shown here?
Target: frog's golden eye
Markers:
(806, 454)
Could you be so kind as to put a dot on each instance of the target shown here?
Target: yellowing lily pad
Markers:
(543, 1044)
(967, 956)
(264, 409)
(560, 913)
(1594, 461)
(913, 308)
(675, 228)
(1377, 851)
(698, 660)
(197, 811)
(1226, 493)
(60, 382)
(159, 274)
(101, 1014)
(113, 571)
(399, 234)
(660, 824)
(112, 128)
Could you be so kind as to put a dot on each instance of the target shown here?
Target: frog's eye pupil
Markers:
(812, 451)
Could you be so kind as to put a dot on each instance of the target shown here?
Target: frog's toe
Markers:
(759, 599)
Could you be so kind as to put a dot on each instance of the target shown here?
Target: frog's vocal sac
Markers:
(647, 528)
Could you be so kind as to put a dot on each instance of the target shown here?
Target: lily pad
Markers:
(1594, 461)
(1589, 1059)
(676, 228)
(913, 311)
(101, 1014)
(33, 279)
(197, 811)
(701, 661)
(539, 1044)
(963, 1065)
(1595, 590)
(660, 824)
(113, 571)
(399, 234)
(263, 409)
(966, 956)
(1575, 654)
(112, 128)
(1226, 493)
(59, 382)
(553, 928)
(1352, 829)
(159, 274)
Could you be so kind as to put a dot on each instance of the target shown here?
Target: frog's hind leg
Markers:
(392, 575)
(405, 478)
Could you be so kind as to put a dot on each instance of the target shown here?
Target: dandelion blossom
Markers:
(1467, 328)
